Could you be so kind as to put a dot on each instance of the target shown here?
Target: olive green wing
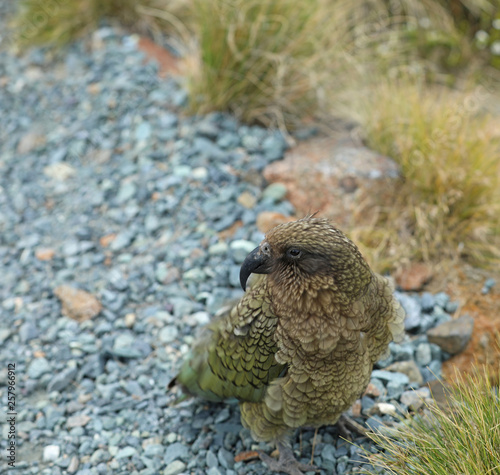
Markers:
(235, 356)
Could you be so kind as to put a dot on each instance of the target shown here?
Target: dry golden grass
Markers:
(449, 153)
(465, 440)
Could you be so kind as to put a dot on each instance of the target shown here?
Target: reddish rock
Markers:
(267, 220)
(169, 64)
(356, 408)
(77, 304)
(105, 241)
(337, 178)
(45, 254)
(413, 276)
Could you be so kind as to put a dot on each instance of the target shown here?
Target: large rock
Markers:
(341, 180)
(452, 336)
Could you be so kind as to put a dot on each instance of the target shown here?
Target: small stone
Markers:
(356, 408)
(28, 331)
(79, 420)
(198, 319)
(388, 376)
(218, 249)
(175, 451)
(409, 368)
(4, 334)
(38, 367)
(427, 302)
(412, 309)
(414, 276)
(453, 336)
(51, 453)
(123, 340)
(121, 241)
(452, 307)
(77, 304)
(168, 334)
(329, 453)
(247, 200)
(372, 390)
(414, 400)
(73, 465)
(441, 299)
(126, 192)
(374, 423)
(275, 192)
(383, 408)
(59, 171)
(200, 173)
(130, 319)
(125, 452)
(488, 285)
(62, 380)
(151, 223)
(194, 275)
(274, 146)
(30, 141)
(240, 249)
(174, 468)
(143, 132)
(423, 354)
(45, 254)
(211, 460)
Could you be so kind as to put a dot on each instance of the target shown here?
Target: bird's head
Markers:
(308, 255)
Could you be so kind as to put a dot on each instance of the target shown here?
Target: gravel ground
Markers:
(105, 186)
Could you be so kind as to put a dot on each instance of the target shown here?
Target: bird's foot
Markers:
(347, 426)
(287, 462)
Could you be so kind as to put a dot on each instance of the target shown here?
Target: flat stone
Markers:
(452, 336)
(175, 451)
(389, 376)
(409, 368)
(38, 367)
(77, 304)
(168, 334)
(62, 380)
(78, 420)
(414, 400)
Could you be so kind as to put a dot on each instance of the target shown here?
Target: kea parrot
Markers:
(299, 347)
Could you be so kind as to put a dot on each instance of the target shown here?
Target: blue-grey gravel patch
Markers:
(101, 167)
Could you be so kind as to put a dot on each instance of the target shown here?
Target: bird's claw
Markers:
(287, 463)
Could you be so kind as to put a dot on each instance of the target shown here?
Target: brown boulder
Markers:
(341, 180)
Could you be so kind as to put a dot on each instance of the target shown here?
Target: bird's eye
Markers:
(295, 253)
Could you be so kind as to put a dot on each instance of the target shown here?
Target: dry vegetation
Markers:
(465, 440)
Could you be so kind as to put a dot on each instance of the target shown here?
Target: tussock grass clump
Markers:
(257, 58)
(57, 22)
(465, 440)
(449, 153)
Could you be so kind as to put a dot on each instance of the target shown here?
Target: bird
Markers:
(299, 347)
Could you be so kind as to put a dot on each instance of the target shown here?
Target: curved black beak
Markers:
(255, 263)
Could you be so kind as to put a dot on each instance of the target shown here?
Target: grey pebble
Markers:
(175, 451)
(39, 367)
(62, 380)
(28, 331)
